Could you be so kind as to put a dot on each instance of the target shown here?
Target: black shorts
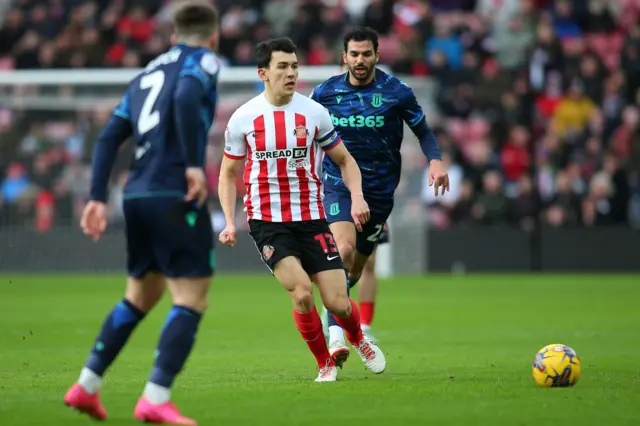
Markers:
(169, 236)
(310, 241)
(383, 238)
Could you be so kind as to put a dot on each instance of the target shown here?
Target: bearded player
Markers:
(369, 108)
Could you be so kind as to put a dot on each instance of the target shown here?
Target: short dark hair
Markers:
(265, 49)
(195, 18)
(362, 34)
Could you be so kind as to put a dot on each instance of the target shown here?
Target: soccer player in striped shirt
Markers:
(167, 111)
(278, 138)
(369, 109)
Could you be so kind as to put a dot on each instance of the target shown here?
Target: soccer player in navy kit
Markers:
(167, 111)
(369, 108)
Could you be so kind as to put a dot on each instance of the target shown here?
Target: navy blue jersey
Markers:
(167, 110)
(370, 119)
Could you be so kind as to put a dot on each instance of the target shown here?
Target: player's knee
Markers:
(192, 293)
(146, 292)
(302, 298)
(346, 249)
(338, 305)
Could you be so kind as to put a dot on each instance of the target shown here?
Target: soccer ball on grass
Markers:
(556, 366)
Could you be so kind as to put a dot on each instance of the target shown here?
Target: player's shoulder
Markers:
(329, 86)
(201, 63)
(307, 104)
(202, 59)
(248, 111)
(392, 83)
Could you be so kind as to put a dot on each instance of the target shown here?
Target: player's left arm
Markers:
(117, 130)
(329, 140)
(413, 115)
(94, 216)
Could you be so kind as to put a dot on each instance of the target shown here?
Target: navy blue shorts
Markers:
(384, 235)
(337, 206)
(169, 236)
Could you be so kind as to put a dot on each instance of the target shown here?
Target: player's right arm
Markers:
(235, 151)
(194, 86)
(117, 130)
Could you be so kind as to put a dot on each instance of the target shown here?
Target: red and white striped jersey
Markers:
(283, 147)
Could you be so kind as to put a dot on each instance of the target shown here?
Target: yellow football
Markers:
(556, 366)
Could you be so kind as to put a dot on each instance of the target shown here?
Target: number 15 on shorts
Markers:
(328, 245)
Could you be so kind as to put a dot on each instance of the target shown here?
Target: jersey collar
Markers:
(366, 86)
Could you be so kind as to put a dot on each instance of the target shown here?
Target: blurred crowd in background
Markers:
(537, 100)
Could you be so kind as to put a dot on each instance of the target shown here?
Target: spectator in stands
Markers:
(573, 112)
(491, 206)
(15, 184)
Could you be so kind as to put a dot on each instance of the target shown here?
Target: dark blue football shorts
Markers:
(169, 236)
(337, 206)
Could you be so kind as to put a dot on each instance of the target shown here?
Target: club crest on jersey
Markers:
(300, 132)
(267, 252)
(376, 100)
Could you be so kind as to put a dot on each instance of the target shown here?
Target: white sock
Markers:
(157, 394)
(90, 381)
(336, 334)
(365, 328)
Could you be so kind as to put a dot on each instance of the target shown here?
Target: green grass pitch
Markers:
(459, 352)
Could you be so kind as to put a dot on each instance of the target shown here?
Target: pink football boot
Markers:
(166, 413)
(86, 403)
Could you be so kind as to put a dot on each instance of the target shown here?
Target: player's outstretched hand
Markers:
(359, 212)
(228, 236)
(196, 185)
(94, 219)
(438, 175)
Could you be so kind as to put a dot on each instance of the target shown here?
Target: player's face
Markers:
(282, 74)
(361, 60)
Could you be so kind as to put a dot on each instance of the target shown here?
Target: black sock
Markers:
(115, 332)
(174, 347)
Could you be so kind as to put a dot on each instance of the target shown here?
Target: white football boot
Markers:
(339, 352)
(371, 355)
(328, 373)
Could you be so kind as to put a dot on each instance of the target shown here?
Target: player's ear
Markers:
(262, 73)
(377, 57)
(174, 39)
(344, 57)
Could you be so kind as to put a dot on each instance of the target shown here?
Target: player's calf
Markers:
(140, 297)
(190, 301)
(332, 287)
(289, 272)
(333, 290)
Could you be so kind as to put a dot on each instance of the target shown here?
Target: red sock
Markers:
(310, 327)
(366, 312)
(351, 325)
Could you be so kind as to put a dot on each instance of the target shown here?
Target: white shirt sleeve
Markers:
(235, 144)
(326, 137)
